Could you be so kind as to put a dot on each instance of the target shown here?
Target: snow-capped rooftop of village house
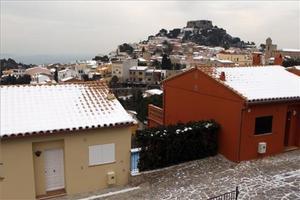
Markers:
(32, 109)
(297, 67)
(37, 70)
(225, 61)
(261, 83)
(291, 50)
(152, 92)
(138, 68)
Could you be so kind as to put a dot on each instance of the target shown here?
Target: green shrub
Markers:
(167, 145)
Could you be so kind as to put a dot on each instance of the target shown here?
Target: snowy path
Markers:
(275, 177)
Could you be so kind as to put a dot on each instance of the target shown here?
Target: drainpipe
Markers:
(240, 135)
(164, 105)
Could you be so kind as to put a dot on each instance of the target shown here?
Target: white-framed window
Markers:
(101, 154)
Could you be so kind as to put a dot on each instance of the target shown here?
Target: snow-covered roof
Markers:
(37, 70)
(142, 60)
(225, 61)
(291, 50)
(139, 68)
(297, 67)
(218, 48)
(261, 83)
(63, 71)
(91, 62)
(40, 79)
(198, 57)
(67, 79)
(154, 92)
(153, 70)
(29, 109)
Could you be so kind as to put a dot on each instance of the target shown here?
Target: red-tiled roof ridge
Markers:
(63, 83)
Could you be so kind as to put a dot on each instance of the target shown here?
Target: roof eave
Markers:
(66, 130)
(273, 100)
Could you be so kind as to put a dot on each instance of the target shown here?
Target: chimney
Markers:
(222, 76)
(278, 59)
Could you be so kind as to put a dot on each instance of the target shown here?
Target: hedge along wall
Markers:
(167, 145)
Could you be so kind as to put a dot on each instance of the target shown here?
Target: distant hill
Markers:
(6, 64)
(203, 32)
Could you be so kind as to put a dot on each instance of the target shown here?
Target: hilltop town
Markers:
(159, 57)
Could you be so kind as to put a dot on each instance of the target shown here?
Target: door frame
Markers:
(292, 131)
(60, 160)
(287, 130)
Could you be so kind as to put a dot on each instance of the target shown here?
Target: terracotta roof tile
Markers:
(30, 109)
(258, 83)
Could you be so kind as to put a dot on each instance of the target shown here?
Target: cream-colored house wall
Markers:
(117, 70)
(241, 59)
(1, 170)
(80, 177)
(24, 174)
(18, 182)
(135, 74)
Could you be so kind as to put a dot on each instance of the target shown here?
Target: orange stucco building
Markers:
(295, 70)
(257, 117)
(257, 58)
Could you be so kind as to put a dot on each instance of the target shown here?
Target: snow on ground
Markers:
(273, 178)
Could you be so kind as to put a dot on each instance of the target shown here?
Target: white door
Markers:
(54, 169)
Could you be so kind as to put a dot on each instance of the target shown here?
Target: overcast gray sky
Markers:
(88, 28)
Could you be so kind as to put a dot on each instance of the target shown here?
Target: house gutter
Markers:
(64, 131)
(240, 135)
(164, 105)
(266, 101)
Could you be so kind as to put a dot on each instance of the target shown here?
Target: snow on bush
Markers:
(167, 145)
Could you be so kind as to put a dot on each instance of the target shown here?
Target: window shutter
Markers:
(101, 154)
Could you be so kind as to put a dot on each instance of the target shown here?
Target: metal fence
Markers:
(135, 156)
(233, 195)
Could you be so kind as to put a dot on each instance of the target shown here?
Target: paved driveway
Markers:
(275, 177)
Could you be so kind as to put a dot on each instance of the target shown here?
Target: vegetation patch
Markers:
(168, 145)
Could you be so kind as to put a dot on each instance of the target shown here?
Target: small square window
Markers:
(263, 125)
